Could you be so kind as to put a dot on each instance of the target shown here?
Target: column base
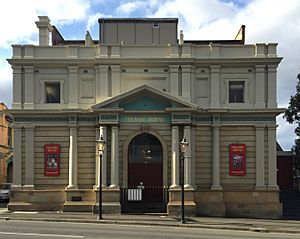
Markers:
(260, 188)
(274, 187)
(188, 187)
(71, 187)
(114, 187)
(16, 187)
(174, 186)
(216, 187)
(28, 187)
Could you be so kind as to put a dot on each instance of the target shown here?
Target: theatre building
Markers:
(144, 88)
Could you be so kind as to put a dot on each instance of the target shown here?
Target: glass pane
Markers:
(236, 92)
(145, 148)
(53, 93)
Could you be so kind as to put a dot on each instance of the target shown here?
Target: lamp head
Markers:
(183, 145)
(101, 144)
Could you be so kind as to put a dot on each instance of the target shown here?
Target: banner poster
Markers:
(51, 160)
(237, 160)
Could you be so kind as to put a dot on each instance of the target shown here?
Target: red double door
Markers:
(145, 169)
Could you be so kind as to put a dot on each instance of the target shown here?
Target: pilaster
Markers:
(29, 87)
(29, 157)
(272, 158)
(17, 87)
(272, 82)
(215, 86)
(114, 158)
(188, 158)
(260, 86)
(175, 158)
(73, 158)
(17, 165)
(216, 159)
(174, 80)
(73, 87)
(116, 79)
(103, 80)
(260, 157)
(186, 82)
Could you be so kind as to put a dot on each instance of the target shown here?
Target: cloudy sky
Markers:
(266, 21)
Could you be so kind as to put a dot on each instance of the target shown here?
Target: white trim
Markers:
(246, 92)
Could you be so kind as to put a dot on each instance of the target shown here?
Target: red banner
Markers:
(237, 160)
(51, 160)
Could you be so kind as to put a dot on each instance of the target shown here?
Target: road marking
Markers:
(24, 212)
(40, 235)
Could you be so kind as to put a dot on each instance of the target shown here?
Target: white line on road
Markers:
(40, 235)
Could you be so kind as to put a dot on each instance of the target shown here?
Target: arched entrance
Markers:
(145, 175)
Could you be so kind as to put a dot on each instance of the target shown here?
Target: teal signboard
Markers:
(145, 118)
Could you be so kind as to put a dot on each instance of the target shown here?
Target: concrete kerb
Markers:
(169, 222)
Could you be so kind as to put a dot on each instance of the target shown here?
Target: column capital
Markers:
(215, 68)
(73, 69)
(174, 68)
(260, 68)
(102, 68)
(260, 126)
(28, 69)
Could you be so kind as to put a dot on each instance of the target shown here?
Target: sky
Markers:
(267, 21)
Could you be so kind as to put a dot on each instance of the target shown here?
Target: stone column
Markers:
(73, 159)
(260, 157)
(188, 158)
(175, 158)
(17, 87)
(29, 157)
(216, 159)
(174, 88)
(17, 165)
(114, 178)
(102, 130)
(73, 86)
(272, 158)
(186, 82)
(29, 87)
(215, 86)
(272, 73)
(116, 79)
(260, 86)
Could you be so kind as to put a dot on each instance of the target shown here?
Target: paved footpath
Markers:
(243, 224)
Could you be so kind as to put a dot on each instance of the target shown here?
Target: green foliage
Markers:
(292, 115)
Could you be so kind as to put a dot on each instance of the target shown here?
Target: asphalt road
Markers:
(26, 229)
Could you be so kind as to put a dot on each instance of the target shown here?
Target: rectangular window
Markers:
(52, 92)
(9, 137)
(155, 25)
(236, 92)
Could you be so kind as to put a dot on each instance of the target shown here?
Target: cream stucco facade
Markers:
(162, 90)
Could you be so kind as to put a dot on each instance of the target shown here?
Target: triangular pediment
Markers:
(144, 98)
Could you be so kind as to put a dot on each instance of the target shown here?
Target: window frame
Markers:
(43, 97)
(237, 83)
(246, 91)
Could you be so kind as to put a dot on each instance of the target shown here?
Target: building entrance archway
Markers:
(145, 192)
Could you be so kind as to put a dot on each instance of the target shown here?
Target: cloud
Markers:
(5, 83)
(20, 17)
(127, 8)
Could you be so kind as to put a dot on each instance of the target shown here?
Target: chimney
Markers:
(45, 28)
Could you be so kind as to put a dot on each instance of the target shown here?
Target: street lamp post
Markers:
(183, 145)
(101, 147)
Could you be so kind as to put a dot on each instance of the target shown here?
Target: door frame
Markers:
(125, 156)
